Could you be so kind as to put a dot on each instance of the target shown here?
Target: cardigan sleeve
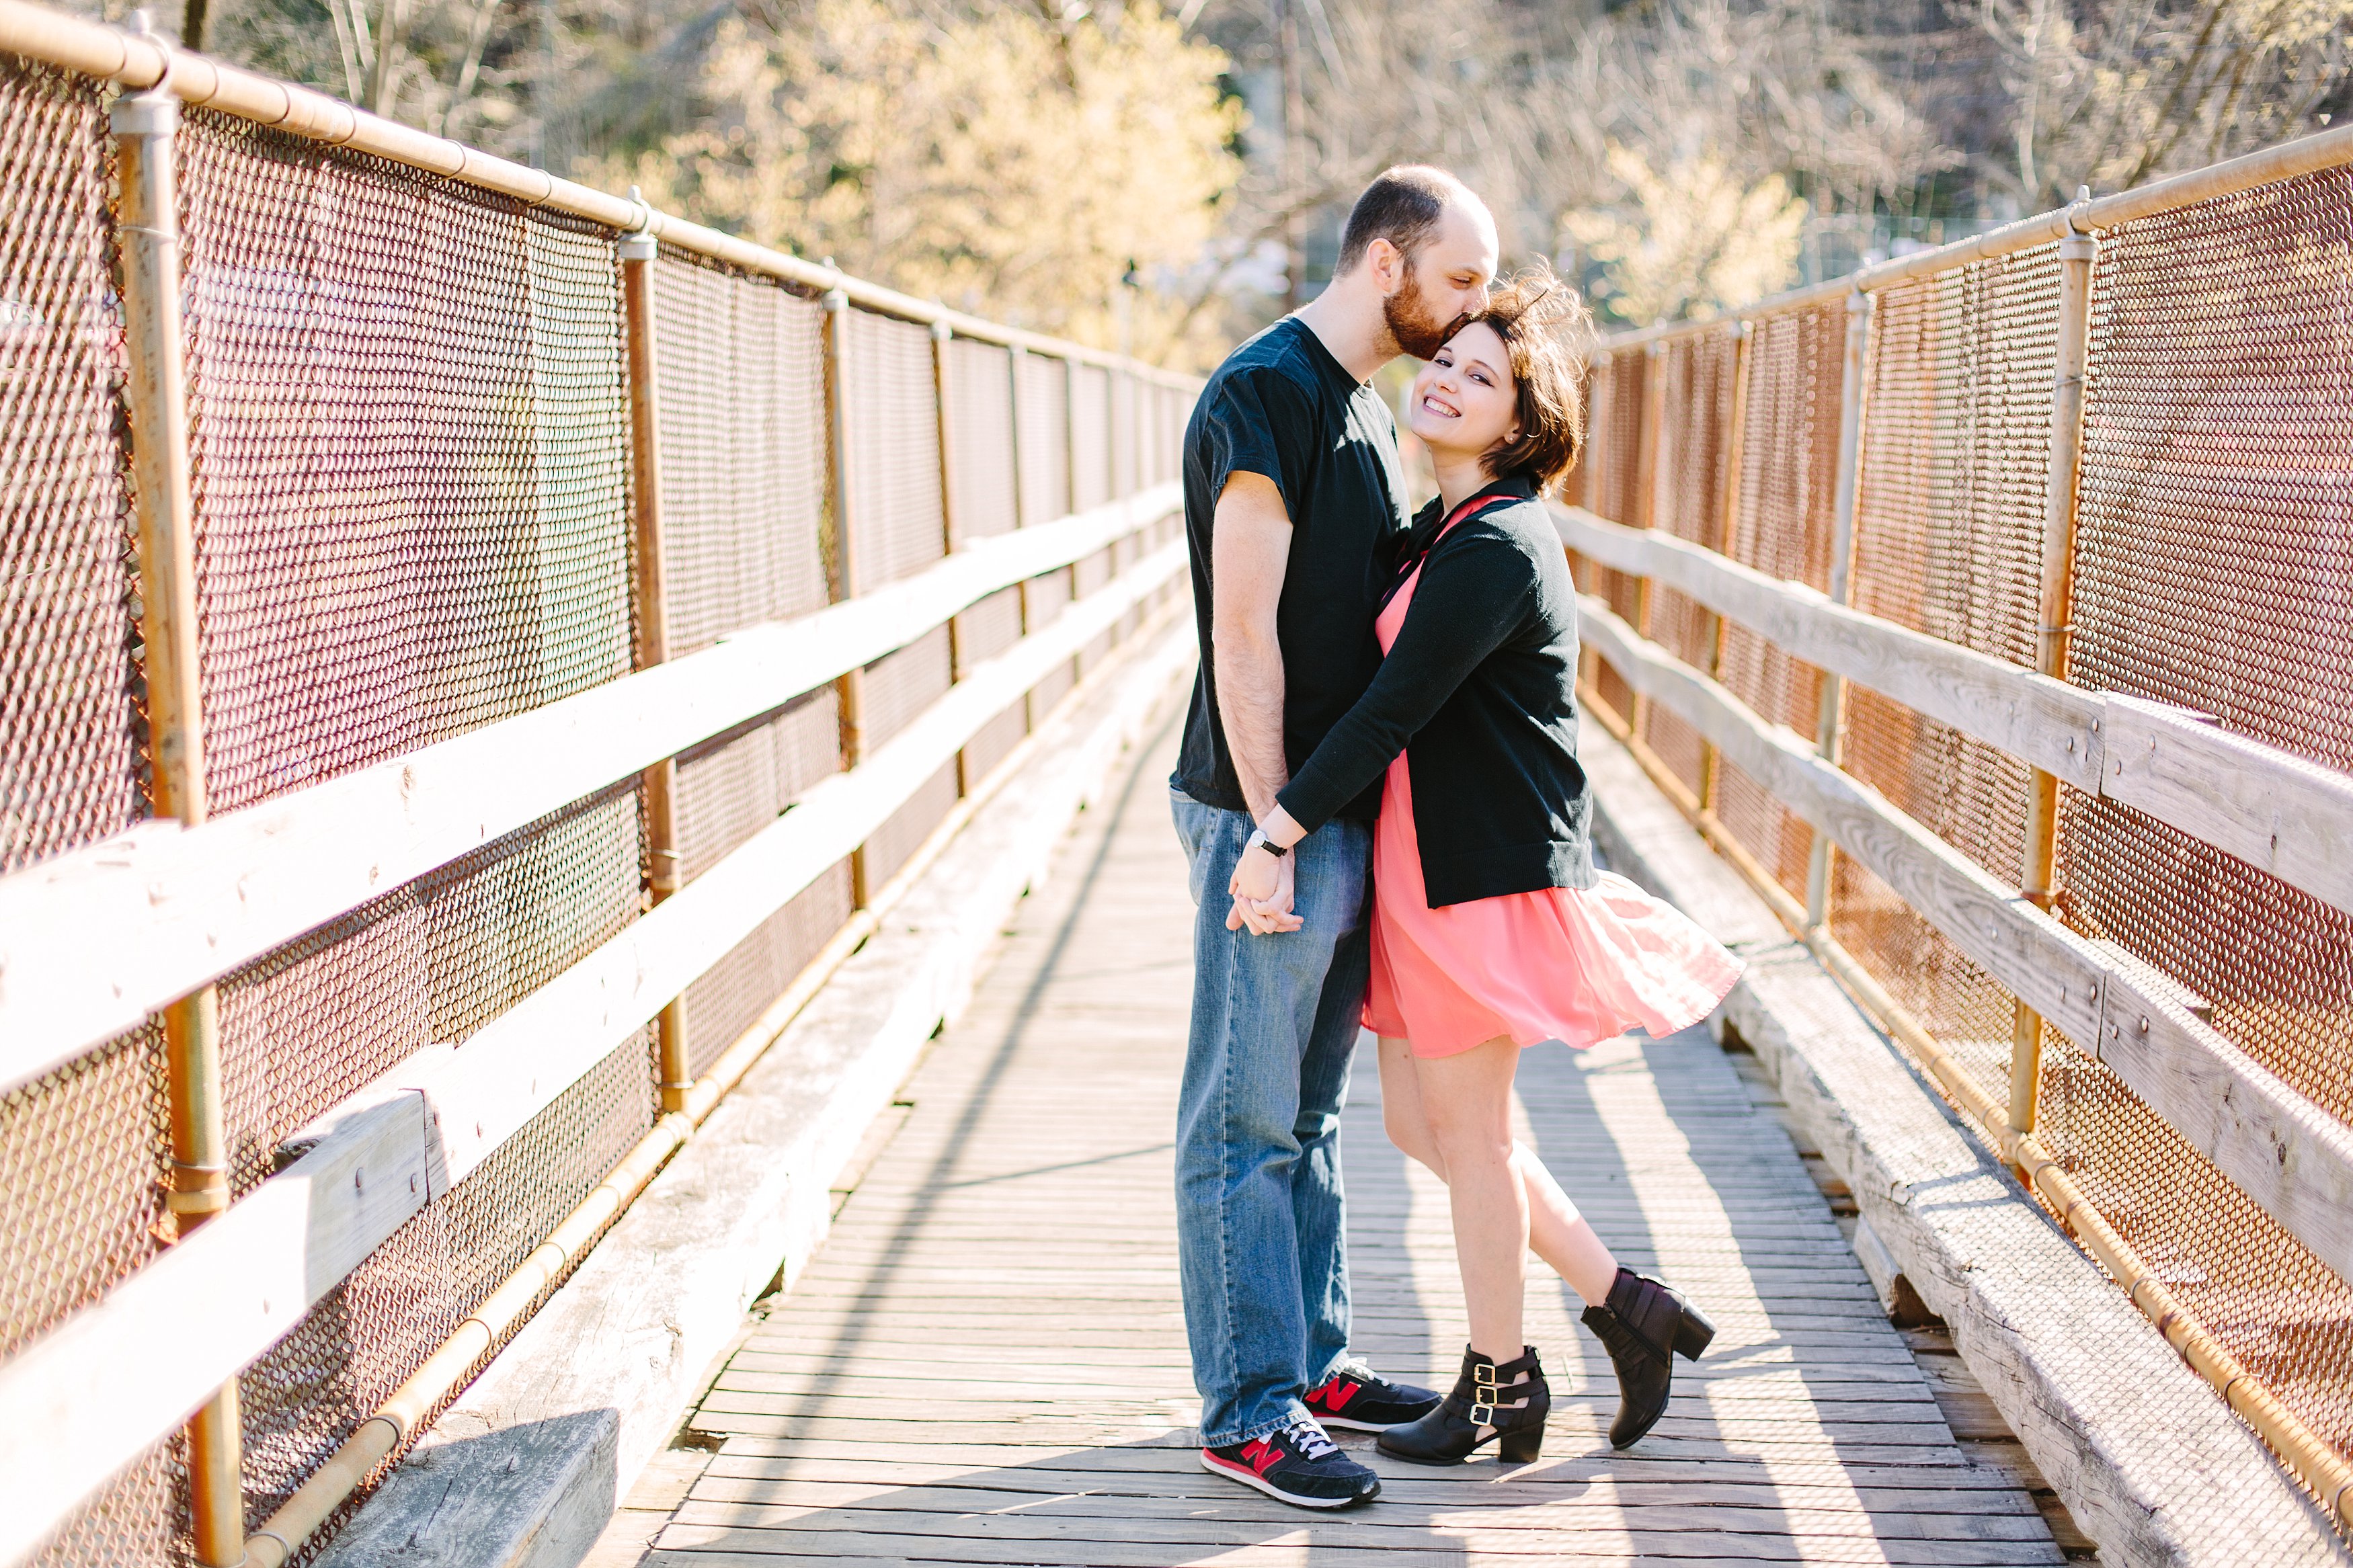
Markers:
(1474, 593)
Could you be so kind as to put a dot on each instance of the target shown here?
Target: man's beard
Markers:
(1410, 321)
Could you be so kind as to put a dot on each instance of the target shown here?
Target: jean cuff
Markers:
(1259, 1429)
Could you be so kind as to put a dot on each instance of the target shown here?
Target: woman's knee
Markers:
(1411, 1135)
(1467, 1108)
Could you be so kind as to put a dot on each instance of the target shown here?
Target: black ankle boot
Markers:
(1644, 1325)
(1507, 1402)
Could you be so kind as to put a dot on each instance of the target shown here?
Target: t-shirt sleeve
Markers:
(1259, 421)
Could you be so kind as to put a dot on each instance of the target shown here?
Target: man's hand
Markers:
(1249, 552)
(1263, 898)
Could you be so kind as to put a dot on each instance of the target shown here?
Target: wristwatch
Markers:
(1258, 837)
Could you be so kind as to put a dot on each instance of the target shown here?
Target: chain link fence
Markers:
(410, 436)
(2211, 568)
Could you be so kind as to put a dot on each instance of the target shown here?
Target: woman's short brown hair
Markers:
(1545, 330)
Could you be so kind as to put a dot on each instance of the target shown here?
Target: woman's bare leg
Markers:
(1556, 1233)
(1401, 1114)
(1466, 1100)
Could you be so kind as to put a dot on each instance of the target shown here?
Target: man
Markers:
(1293, 497)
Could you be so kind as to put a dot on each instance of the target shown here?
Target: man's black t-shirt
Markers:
(1281, 406)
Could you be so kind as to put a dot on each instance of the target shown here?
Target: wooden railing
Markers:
(2281, 813)
(120, 928)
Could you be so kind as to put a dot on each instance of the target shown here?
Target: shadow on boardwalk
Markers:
(986, 1363)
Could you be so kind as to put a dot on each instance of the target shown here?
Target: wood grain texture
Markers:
(2278, 812)
(987, 1361)
(2285, 1153)
(100, 937)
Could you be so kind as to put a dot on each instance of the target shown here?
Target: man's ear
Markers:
(1387, 264)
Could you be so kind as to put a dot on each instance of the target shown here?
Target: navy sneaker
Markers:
(1356, 1396)
(1298, 1464)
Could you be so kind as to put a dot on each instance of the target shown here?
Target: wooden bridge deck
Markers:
(987, 1361)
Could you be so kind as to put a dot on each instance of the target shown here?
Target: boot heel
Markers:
(1520, 1448)
(1694, 1333)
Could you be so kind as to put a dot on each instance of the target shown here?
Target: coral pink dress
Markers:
(1559, 964)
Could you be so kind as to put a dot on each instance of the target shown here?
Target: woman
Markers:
(1492, 928)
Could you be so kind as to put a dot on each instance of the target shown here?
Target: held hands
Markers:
(1264, 883)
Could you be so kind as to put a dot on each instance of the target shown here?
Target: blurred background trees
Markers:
(1166, 174)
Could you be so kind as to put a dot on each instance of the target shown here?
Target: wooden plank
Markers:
(1533, 1486)
(2270, 809)
(2283, 1151)
(2054, 726)
(100, 937)
(925, 1510)
(1019, 1538)
(1177, 1456)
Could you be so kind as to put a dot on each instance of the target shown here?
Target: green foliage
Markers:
(1691, 240)
(1002, 161)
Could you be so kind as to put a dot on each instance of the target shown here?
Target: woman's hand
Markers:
(1258, 872)
(1264, 881)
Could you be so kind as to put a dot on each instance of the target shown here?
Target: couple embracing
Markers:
(1380, 799)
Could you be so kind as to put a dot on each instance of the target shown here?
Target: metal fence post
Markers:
(1013, 358)
(2037, 876)
(1071, 479)
(143, 125)
(851, 686)
(1727, 537)
(1831, 727)
(1596, 450)
(1650, 457)
(638, 254)
(941, 336)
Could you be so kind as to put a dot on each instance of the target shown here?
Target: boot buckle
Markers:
(1482, 1396)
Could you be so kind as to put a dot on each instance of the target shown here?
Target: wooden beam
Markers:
(101, 937)
(2047, 722)
(94, 1393)
(2270, 809)
(2285, 1153)
(2281, 813)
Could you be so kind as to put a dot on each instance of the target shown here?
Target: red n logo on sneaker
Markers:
(1337, 1393)
(1261, 1455)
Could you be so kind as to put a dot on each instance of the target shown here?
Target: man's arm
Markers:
(1249, 552)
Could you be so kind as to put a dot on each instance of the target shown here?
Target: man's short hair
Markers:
(1401, 206)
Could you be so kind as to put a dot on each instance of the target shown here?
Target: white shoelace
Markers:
(1309, 1439)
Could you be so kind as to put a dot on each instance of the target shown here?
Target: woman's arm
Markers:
(1474, 594)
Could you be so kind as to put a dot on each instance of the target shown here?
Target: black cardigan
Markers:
(1479, 691)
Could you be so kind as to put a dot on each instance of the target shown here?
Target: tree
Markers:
(1547, 111)
(2113, 94)
(1691, 241)
(1002, 160)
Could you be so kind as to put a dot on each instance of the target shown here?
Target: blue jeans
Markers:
(1260, 1232)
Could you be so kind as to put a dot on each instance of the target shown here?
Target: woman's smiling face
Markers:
(1463, 400)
